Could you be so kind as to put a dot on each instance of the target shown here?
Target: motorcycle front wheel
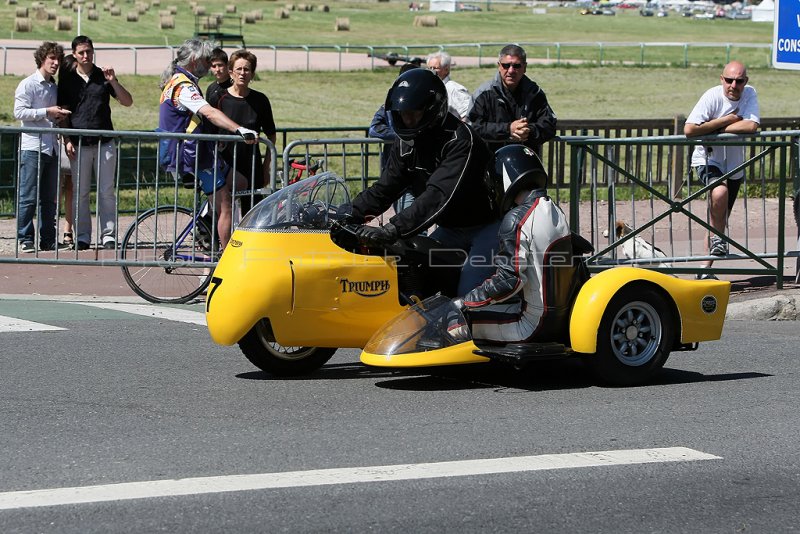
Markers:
(259, 346)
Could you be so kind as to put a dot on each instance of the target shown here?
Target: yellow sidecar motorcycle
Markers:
(294, 285)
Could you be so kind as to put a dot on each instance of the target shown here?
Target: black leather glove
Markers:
(377, 235)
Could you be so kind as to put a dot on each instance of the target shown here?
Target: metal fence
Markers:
(129, 59)
(640, 180)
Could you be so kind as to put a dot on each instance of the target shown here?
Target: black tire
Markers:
(635, 337)
(151, 238)
(259, 346)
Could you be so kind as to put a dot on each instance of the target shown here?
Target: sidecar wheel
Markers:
(634, 338)
(259, 346)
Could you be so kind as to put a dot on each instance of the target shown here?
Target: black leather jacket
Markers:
(496, 108)
(445, 169)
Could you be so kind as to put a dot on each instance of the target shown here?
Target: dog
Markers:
(638, 247)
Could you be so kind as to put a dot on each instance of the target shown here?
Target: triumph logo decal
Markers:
(235, 243)
(709, 304)
(365, 288)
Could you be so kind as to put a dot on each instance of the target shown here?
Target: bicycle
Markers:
(178, 238)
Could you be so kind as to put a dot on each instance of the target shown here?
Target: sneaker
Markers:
(27, 246)
(44, 247)
(82, 245)
(110, 245)
(706, 276)
(717, 247)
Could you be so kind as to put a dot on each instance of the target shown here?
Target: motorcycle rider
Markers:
(535, 261)
(443, 162)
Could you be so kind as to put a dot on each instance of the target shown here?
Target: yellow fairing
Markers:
(313, 292)
(688, 296)
(455, 355)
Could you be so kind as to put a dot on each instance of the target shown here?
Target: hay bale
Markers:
(142, 8)
(426, 21)
(164, 13)
(200, 10)
(11, 2)
(155, 3)
(166, 22)
(325, 8)
(281, 13)
(115, 11)
(21, 13)
(291, 7)
(173, 10)
(248, 18)
(63, 24)
(258, 14)
(90, 5)
(230, 8)
(49, 14)
(92, 14)
(342, 24)
(132, 16)
(211, 24)
(40, 13)
(23, 25)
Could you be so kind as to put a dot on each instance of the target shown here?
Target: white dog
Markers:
(638, 247)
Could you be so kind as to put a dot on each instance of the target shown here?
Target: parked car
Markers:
(468, 7)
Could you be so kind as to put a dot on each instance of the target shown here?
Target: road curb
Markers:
(782, 307)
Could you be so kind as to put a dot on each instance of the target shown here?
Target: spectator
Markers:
(86, 90)
(512, 108)
(458, 98)
(183, 109)
(35, 106)
(252, 110)
(444, 163)
(731, 107)
(222, 76)
(535, 249)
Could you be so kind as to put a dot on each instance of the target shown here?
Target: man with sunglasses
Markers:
(731, 107)
(512, 108)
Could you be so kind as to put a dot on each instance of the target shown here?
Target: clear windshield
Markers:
(434, 323)
(312, 203)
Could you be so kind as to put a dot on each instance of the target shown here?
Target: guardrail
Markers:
(465, 54)
(606, 188)
(608, 179)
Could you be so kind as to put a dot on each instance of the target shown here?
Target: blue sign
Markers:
(786, 39)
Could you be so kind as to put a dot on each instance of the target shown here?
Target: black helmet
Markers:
(416, 89)
(517, 167)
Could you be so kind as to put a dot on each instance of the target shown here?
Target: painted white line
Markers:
(350, 475)
(11, 324)
(149, 310)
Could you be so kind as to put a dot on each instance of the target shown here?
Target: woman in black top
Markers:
(252, 110)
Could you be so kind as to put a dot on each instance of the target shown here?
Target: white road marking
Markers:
(349, 475)
(148, 310)
(11, 324)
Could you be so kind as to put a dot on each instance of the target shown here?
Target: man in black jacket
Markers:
(512, 108)
(444, 164)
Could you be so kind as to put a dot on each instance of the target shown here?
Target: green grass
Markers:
(351, 98)
(391, 23)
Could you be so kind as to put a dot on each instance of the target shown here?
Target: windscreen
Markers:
(312, 203)
(434, 323)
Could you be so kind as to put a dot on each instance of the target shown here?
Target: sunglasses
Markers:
(739, 81)
(507, 66)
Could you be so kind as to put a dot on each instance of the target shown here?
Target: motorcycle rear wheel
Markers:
(260, 348)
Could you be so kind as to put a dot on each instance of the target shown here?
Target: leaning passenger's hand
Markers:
(377, 235)
(250, 136)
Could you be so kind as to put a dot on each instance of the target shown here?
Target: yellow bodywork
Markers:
(313, 292)
(455, 355)
(695, 323)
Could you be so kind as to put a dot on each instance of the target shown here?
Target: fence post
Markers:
(677, 160)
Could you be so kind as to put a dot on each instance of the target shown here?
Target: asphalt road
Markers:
(117, 398)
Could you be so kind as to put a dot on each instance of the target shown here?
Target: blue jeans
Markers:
(37, 187)
(480, 243)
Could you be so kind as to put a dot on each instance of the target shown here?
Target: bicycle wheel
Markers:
(167, 234)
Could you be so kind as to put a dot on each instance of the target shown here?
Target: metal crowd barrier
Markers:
(672, 215)
(642, 181)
